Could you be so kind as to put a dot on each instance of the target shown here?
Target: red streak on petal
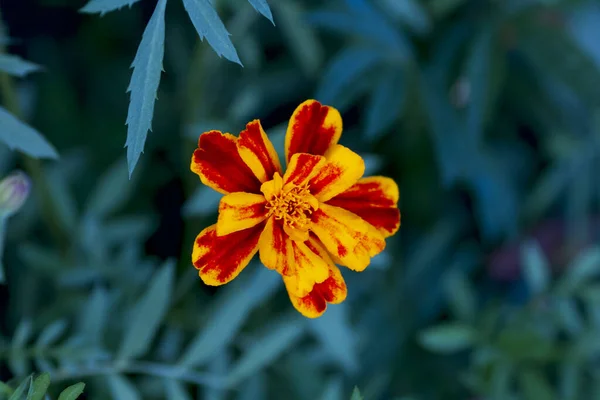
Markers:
(252, 139)
(304, 168)
(308, 133)
(326, 177)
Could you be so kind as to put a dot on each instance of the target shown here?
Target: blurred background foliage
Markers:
(487, 114)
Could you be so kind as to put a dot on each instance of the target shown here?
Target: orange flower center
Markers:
(291, 204)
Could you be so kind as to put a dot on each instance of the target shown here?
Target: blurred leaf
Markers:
(254, 388)
(333, 390)
(147, 67)
(94, 316)
(440, 8)
(535, 267)
(345, 68)
(19, 136)
(64, 205)
(535, 386)
(525, 344)
(111, 192)
(176, 390)
(478, 70)
(208, 24)
(548, 188)
(148, 314)
(39, 387)
(336, 335)
(501, 380)
(580, 271)
(447, 338)
(461, 296)
(238, 300)
(16, 66)
(17, 359)
(385, 104)
(284, 334)
(5, 390)
(51, 333)
(302, 40)
(20, 390)
(410, 12)
(204, 201)
(104, 6)
(570, 378)
(263, 7)
(356, 394)
(569, 315)
(122, 389)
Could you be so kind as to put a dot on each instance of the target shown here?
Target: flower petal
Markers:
(258, 152)
(219, 259)
(312, 129)
(239, 211)
(342, 170)
(331, 290)
(219, 165)
(301, 267)
(303, 167)
(349, 238)
(374, 199)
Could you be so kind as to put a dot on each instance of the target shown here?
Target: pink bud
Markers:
(14, 190)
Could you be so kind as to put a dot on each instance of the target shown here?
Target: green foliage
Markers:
(37, 389)
(485, 112)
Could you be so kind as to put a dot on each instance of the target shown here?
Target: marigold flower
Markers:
(303, 222)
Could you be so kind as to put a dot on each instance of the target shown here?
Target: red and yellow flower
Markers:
(318, 213)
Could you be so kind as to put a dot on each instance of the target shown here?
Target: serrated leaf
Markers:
(51, 333)
(111, 192)
(16, 66)
(263, 7)
(208, 24)
(147, 67)
(535, 267)
(149, 313)
(19, 136)
(266, 349)
(346, 67)
(447, 338)
(20, 390)
(122, 389)
(73, 392)
(385, 104)
(39, 387)
(356, 394)
(239, 299)
(104, 6)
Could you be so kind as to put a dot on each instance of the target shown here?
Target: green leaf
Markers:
(39, 387)
(73, 392)
(525, 344)
(148, 313)
(461, 296)
(51, 333)
(386, 103)
(104, 6)
(535, 267)
(344, 69)
(535, 386)
(147, 67)
(410, 12)
(333, 390)
(208, 24)
(20, 390)
(478, 72)
(122, 389)
(17, 360)
(280, 338)
(19, 136)
(263, 7)
(447, 338)
(5, 390)
(356, 394)
(175, 390)
(585, 267)
(302, 40)
(111, 192)
(335, 333)
(16, 66)
(230, 312)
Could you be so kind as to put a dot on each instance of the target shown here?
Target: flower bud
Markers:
(14, 190)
